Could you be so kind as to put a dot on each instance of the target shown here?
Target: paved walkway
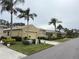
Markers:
(67, 50)
(50, 42)
(6, 53)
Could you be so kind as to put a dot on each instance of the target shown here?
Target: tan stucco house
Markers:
(1, 30)
(21, 31)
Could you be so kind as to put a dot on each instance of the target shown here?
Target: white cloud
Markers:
(48, 27)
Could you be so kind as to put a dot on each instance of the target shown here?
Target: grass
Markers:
(29, 49)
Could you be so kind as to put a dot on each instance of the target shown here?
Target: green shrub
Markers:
(17, 38)
(25, 38)
(9, 41)
(2, 37)
(42, 38)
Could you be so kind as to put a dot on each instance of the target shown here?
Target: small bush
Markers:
(8, 41)
(25, 38)
(43, 38)
(17, 38)
(2, 38)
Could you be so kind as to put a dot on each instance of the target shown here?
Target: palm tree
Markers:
(59, 27)
(54, 21)
(8, 5)
(26, 15)
(66, 30)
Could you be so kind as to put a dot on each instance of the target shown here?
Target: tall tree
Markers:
(8, 5)
(54, 21)
(59, 27)
(66, 30)
(26, 15)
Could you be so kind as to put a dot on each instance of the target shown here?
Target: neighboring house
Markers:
(1, 30)
(3, 25)
(42, 33)
(52, 33)
(21, 31)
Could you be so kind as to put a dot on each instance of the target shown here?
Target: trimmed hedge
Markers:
(8, 41)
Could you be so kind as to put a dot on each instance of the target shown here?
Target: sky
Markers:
(66, 11)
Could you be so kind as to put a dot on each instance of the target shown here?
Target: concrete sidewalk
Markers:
(50, 42)
(6, 53)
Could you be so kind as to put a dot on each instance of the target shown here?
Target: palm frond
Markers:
(15, 11)
(34, 14)
(5, 2)
(20, 10)
(59, 26)
(27, 11)
(5, 5)
(26, 14)
(50, 23)
(53, 20)
(3, 9)
(20, 15)
(31, 16)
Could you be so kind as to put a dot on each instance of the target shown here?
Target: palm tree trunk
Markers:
(55, 31)
(11, 20)
(55, 28)
(59, 30)
(27, 28)
(11, 24)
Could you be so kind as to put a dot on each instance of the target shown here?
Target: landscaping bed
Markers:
(29, 49)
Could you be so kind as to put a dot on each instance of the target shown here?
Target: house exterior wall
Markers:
(17, 33)
(1, 30)
(14, 33)
(41, 33)
(32, 35)
(32, 32)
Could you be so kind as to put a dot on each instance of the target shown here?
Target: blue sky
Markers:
(66, 11)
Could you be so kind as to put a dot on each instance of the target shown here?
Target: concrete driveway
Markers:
(67, 50)
(6, 53)
(50, 42)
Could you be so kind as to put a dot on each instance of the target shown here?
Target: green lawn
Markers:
(29, 49)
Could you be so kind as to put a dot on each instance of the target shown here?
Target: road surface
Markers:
(67, 50)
